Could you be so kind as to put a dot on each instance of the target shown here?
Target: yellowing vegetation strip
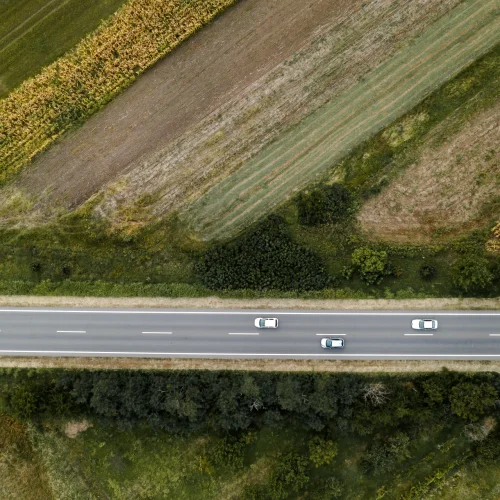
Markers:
(306, 151)
(78, 84)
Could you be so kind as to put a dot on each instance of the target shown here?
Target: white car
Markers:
(424, 324)
(329, 343)
(266, 322)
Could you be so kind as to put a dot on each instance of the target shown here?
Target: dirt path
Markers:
(309, 149)
(210, 68)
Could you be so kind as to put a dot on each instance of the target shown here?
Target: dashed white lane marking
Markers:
(157, 333)
(494, 334)
(250, 333)
(331, 334)
(416, 334)
(71, 331)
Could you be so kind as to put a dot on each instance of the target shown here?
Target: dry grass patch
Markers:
(72, 429)
(21, 476)
(451, 190)
(267, 365)
(450, 304)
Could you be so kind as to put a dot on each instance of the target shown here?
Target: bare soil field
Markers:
(450, 191)
(213, 66)
(216, 102)
(302, 154)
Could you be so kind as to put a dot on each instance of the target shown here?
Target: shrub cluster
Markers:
(265, 258)
(471, 273)
(324, 204)
(372, 264)
(75, 86)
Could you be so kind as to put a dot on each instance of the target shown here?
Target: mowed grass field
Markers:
(304, 153)
(33, 33)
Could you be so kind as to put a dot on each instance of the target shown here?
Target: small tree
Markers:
(321, 451)
(371, 264)
(376, 393)
(23, 402)
(383, 456)
(471, 274)
(323, 204)
(289, 476)
(427, 272)
(470, 401)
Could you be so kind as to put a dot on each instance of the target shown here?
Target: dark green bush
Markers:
(290, 476)
(324, 204)
(228, 452)
(427, 272)
(372, 264)
(263, 259)
(383, 456)
(471, 400)
(471, 273)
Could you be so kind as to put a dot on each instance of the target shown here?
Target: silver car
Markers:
(424, 324)
(266, 323)
(331, 343)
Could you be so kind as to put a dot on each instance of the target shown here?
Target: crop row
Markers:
(68, 91)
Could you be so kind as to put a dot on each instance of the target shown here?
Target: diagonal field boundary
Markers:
(309, 149)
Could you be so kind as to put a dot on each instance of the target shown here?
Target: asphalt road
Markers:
(232, 334)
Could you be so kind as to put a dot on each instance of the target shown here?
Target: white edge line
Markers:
(157, 333)
(71, 331)
(253, 333)
(131, 353)
(413, 334)
(255, 312)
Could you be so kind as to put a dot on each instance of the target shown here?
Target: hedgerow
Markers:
(75, 86)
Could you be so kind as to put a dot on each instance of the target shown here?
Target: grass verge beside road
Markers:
(213, 302)
(264, 365)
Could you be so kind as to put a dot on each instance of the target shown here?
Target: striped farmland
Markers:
(304, 153)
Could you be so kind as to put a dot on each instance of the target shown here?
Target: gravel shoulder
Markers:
(218, 303)
(268, 365)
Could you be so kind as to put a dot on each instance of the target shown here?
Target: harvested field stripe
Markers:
(306, 151)
(323, 136)
(326, 155)
(385, 75)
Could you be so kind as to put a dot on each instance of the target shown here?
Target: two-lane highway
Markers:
(231, 333)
